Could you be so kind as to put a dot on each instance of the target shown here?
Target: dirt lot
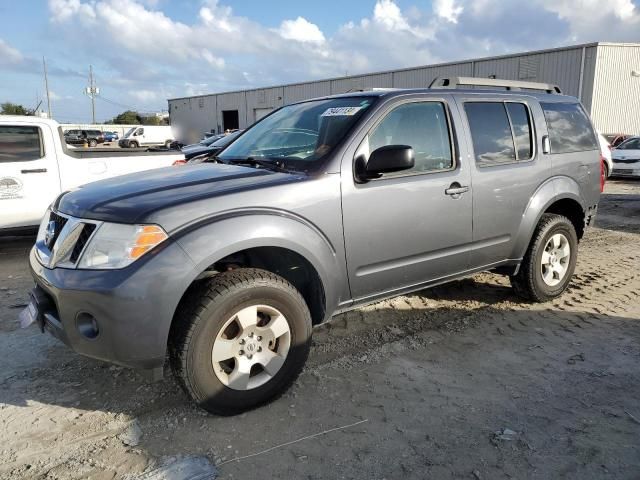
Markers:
(462, 381)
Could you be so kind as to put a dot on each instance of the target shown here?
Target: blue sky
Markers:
(145, 51)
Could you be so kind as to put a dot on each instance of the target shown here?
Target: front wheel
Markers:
(133, 145)
(93, 143)
(239, 340)
(550, 260)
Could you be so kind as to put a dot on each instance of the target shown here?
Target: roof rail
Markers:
(455, 82)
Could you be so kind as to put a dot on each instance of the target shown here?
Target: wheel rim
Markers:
(251, 347)
(555, 259)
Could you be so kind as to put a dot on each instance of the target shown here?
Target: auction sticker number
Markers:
(341, 111)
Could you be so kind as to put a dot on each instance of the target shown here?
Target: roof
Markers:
(435, 65)
(394, 92)
(28, 118)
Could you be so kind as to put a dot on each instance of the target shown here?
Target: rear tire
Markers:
(239, 340)
(167, 144)
(550, 260)
(606, 170)
(93, 143)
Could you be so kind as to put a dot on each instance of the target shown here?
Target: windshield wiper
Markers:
(271, 164)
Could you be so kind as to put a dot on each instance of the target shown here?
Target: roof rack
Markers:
(455, 82)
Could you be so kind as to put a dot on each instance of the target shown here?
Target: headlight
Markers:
(115, 245)
(42, 230)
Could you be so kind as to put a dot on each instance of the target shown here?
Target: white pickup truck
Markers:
(36, 165)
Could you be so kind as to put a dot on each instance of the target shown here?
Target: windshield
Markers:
(208, 141)
(129, 132)
(299, 135)
(226, 140)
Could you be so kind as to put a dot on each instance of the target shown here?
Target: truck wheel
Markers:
(550, 260)
(133, 145)
(92, 143)
(239, 339)
(167, 144)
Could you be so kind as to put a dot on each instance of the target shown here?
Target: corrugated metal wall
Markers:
(566, 67)
(616, 98)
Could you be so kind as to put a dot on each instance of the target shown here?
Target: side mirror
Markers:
(387, 159)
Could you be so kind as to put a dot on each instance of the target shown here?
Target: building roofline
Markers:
(405, 69)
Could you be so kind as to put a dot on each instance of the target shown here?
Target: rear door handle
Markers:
(34, 170)
(455, 190)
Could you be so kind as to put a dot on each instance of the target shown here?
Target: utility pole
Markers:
(46, 86)
(92, 92)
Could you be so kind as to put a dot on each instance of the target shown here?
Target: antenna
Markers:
(92, 92)
(46, 86)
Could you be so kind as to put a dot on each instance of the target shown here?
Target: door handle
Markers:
(34, 170)
(455, 190)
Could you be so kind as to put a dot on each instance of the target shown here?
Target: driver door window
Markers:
(424, 126)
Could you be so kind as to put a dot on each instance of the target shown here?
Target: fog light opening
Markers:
(87, 325)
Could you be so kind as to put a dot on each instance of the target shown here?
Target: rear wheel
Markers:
(606, 170)
(550, 260)
(93, 143)
(167, 144)
(239, 340)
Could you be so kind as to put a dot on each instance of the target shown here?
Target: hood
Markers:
(131, 198)
(198, 150)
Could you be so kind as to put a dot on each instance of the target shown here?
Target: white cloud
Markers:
(9, 55)
(387, 13)
(301, 30)
(448, 9)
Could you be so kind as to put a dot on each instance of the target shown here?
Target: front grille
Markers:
(59, 222)
(87, 230)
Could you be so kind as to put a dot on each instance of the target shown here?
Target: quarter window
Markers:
(521, 124)
(569, 128)
(423, 126)
(20, 144)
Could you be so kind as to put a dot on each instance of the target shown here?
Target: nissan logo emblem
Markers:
(50, 233)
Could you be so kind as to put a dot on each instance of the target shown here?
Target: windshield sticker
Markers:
(341, 111)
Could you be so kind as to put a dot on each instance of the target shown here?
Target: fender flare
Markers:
(229, 232)
(549, 192)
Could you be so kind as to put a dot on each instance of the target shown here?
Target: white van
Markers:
(146, 136)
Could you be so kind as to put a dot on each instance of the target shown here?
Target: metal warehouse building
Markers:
(605, 76)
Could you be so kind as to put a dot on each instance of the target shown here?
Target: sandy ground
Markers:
(461, 381)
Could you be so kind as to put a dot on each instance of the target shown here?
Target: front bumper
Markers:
(626, 168)
(133, 307)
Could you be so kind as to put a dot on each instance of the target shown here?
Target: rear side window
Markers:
(501, 132)
(569, 128)
(20, 144)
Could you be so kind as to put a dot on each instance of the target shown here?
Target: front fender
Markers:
(232, 232)
(554, 189)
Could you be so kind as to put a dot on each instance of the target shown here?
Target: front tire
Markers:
(550, 261)
(239, 340)
(93, 143)
(133, 145)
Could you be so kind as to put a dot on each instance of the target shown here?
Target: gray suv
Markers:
(320, 207)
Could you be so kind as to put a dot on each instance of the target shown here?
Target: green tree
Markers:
(9, 108)
(127, 118)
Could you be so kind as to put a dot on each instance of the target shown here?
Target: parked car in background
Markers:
(605, 149)
(326, 205)
(147, 136)
(110, 136)
(80, 137)
(616, 139)
(36, 165)
(626, 158)
(209, 146)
